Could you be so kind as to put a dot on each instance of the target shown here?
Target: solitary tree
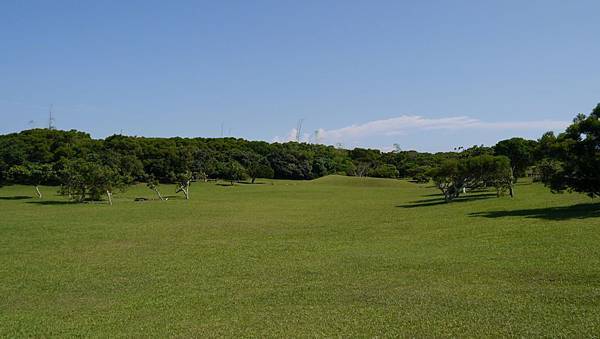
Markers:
(232, 171)
(153, 183)
(455, 176)
(81, 179)
(184, 181)
(258, 167)
(362, 168)
(448, 178)
(519, 151)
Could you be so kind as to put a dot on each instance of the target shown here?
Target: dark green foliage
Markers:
(384, 171)
(89, 179)
(232, 171)
(184, 180)
(422, 177)
(519, 151)
(573, 161)
(258, 167)
(31, 174)
(454, 176)
(167, 158)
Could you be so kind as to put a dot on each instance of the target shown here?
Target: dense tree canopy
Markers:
(520, 152)
(454, 176)
(166, 159)
(572, 160)
(89, 179)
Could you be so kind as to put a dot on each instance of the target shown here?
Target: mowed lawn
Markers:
(337, 256)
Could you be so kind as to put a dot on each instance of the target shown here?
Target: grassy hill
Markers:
(337, 256)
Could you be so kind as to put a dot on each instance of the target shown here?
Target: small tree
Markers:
(258, 167)
(81, 179)
(153, 184)
(232, 171)
(448, 178)
(421, 177)
(519, 151)
(499, 174)
(454, 176)
(362, 169)
(184, 181)
(31, 174)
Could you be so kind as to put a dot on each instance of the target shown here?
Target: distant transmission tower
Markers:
(50, 119)
(299, 130)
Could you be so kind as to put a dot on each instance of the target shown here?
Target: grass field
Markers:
(338, 256)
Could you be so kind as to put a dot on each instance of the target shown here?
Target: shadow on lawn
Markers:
(579, 211)
(441, 201)
(52, 202)
(16, 197)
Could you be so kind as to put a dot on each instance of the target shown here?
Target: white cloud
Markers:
(413, 124)
(408, 124)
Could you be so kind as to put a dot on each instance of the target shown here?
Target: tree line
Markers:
(87, 168)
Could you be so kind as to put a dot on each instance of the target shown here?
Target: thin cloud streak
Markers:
(410, 124)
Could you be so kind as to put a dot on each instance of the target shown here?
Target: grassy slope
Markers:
(336, 256)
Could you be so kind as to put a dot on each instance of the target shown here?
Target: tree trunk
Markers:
(253, 179)
(158, 193)
(37, 191)
(511, 191)
(109, 194)
(186, 190)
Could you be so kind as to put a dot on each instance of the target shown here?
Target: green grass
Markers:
(336, 256)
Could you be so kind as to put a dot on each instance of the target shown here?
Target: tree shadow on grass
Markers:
(579, 211)
(441, 201)
(16, 197)
(434, 195)
(53, 202)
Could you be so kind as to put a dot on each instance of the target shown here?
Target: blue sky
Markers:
(427, 75)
